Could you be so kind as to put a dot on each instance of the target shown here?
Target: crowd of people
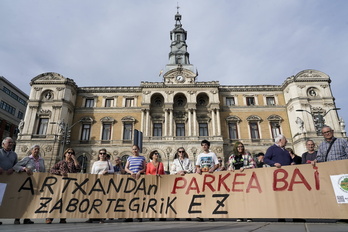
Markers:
(277, 155)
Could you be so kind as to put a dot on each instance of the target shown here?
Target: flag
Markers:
(160, 73)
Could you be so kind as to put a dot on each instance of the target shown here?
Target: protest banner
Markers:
(297, 191)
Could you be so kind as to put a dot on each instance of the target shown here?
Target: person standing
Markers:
(311, 154)
(135, 166)
(240, 160)
(181, 164)
(331, 148)
(154, 167)
(260, 160)
(221, 166)
(30, 164)
(8, 158)
(69, 164)
(207, 161)
(118, 168)
(296, 159)
(276, 155)
(101, 167)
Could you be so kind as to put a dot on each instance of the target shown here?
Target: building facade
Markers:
(178, 111)
(13, 103)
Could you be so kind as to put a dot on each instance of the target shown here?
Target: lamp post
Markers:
(169, 150)
(318, 118)
(67, 134)
(194, 150)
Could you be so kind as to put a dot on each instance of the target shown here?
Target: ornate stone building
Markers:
(179, 111)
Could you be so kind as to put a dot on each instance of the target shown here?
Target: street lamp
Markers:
(67, 134)
(194, 150)
(318, 118)
(169, 150)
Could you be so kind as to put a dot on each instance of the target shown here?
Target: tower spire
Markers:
(178, 55)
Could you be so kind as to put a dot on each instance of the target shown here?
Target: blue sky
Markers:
(124, 42)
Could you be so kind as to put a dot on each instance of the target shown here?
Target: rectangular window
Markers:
(230, 101)
(106, 133)
(127, 131)
(6, 90)
(8, 108)
(203, 129)
(270, 101)
(109, 102)
(14, 96)
(275, 128)
(20, 115)
(85, 133)
(129, 102)
(233, 130)
(254, 130)
(42, 129)
(180, 129)
(89, 102)
(250, 101)
(157, 129)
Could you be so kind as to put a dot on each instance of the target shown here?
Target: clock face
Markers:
(180, 78)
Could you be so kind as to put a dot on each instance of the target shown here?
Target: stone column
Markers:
(194, 121)
(165, 124)
(218, 122)
(213, 121)
(170, 122)
(147, 124)
(142, 120)
(189, 124)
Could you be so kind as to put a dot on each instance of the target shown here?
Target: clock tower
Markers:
(179, 70)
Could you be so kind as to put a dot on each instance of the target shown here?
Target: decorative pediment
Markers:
(233, 118)
(43, 112)
(128, 119)
(86, 120)
(52, 78)
(310, 74)
(275, 117)
(254, 118)
(108, 119)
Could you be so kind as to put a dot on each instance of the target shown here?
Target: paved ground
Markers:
(259, 225)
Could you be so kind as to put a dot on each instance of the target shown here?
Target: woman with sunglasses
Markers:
(154, 167)
(102, 166)
(69, 164)
(181, 164)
